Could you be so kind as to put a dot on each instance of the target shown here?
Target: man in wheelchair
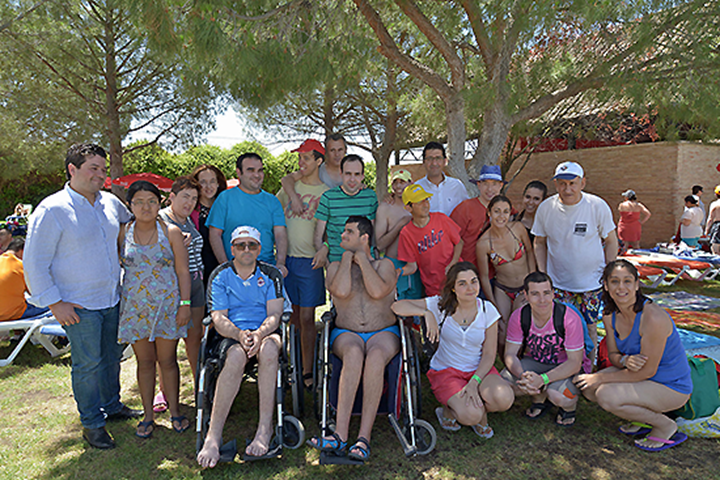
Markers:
(246, 308)
(366, 335)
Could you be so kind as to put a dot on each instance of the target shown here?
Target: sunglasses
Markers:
(252, 246)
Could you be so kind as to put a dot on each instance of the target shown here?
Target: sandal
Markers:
(332, 444)
(180, 420)
(160, 403)
(565, 415)
(483, 431)
(542, 407)
(449, 424)
(148, 429)
(364, 454)
(643, 429)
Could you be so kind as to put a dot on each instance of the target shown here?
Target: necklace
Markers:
(465, 318)
(149, 239)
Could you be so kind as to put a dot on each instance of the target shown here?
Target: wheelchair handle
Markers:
(285, 317)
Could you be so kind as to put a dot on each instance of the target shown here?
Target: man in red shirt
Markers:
(430, 243)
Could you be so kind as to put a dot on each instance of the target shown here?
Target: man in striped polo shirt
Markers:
(337, 205)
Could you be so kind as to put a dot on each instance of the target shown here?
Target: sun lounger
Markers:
(38, 330)
(683, 268)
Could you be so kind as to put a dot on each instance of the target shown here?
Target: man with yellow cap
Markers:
(430, 243)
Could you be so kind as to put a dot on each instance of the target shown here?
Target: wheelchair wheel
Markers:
(317, 381)
(415, 374)
(204, 404)
(295, 372)
(293, 432)
(425, 437)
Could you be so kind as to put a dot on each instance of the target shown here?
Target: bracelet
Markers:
(184, 303)
(476, 378)
(327, 245)
(545, 378)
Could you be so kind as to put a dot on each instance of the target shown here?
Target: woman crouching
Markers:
(650, 373)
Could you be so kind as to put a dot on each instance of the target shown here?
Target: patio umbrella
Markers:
(164, 184)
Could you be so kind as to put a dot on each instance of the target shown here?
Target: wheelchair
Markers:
(289, 431)
(400, 400)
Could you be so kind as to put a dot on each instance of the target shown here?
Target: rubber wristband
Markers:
(545, 378)
(185, 303)
(477, 379)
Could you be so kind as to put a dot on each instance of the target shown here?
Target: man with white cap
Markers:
(574, 239)
(430, 243)
(471, 215)
(712, 226)
(246, 304)
(391, 218)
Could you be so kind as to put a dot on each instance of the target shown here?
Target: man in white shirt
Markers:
(72, 266)
(574, 239)
(447, 192)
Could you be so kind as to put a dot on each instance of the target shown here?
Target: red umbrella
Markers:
(108, 183)
(164, 184)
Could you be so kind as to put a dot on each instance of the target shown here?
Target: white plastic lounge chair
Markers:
(39, 330)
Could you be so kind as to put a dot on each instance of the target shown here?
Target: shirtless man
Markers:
(391, 218)
(366, 336)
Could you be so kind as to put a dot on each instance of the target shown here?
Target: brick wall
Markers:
(661, 174)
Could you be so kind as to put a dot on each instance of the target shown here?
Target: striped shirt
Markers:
(195, 262)
(336, 207)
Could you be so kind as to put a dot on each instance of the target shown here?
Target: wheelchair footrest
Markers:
(228, 452)
(274, 451)
(330, 458)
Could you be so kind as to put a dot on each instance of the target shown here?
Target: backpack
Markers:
(704, 399)
(558, 318)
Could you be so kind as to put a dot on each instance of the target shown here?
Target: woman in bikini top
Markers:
(494, 246)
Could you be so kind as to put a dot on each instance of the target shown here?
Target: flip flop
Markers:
(146, 426)
(332, 444)
(449, 424)
(565, 415)
(483, 431)
(364, 454)
(676, 439)
(643, 430)
(179, 419)
(543, 407)
(160, 403)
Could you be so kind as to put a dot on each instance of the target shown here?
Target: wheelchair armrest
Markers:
(207, 320)
(285, 317)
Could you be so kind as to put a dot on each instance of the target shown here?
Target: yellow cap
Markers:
(414, 194)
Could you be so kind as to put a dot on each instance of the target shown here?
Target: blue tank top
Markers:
(673, 370)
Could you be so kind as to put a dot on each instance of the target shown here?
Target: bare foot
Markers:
(260, 443)
(657, 432)
(210, 453)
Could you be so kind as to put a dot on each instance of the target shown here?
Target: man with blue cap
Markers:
(574, 239)
(471, 215)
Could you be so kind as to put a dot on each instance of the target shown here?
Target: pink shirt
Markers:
(544, 344)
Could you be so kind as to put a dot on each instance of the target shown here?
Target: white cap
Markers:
(245, 231)
(568, 171)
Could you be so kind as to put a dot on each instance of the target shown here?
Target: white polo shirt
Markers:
(446, 196)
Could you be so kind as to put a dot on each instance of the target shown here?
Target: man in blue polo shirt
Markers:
(246, 302)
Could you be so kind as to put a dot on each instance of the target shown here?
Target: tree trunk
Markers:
(328, 113)
(112, 110)
(496, 127)
(455, 117)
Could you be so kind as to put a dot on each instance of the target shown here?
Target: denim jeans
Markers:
(96, 364)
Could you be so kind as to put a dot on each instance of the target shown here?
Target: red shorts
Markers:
(447, 382)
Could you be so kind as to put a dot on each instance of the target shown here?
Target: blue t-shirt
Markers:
(245, 300)
(234, 208)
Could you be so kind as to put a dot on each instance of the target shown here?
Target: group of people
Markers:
(487, 280)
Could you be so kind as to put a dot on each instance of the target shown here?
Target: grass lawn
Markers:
(40, 437)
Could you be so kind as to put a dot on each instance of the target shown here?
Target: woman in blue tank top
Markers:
(650, 373)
